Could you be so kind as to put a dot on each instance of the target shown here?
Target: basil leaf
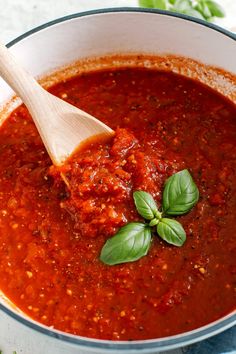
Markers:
(215, 8)
(193, 13)
(145, 205)
(180, 194)
(130, 243)
(203, 9)
(146, 3)
(182, 5)
(160, 4)
(171, 231)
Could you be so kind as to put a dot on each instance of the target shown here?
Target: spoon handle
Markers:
(22, 83)
(25, 86)
(32, 94)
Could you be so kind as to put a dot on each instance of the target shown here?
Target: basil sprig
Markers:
(133, 240)
(203, 9)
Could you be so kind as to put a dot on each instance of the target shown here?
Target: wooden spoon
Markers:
(61, 126)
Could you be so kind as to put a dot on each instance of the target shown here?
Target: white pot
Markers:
(99, 33)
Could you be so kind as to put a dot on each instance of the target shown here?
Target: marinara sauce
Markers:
(51, 237)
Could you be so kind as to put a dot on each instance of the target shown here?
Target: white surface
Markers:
(16, 17)
(19, 16)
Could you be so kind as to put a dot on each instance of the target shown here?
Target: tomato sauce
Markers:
(51, 236)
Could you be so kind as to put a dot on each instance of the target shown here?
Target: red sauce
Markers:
(49, 263)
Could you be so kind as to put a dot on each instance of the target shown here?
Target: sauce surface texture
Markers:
(51, 238)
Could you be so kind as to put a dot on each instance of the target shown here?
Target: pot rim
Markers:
(150, 345)
(122, 9)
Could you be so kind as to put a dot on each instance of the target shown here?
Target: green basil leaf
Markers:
(215, 9)
(182, 5)
(160, 4)
(193, 13)
(145, 205)
(130, 243)
(180, 194)
(146, 3)
(203, 9)
(171, 231)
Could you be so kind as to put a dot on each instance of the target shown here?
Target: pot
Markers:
(121, 31)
